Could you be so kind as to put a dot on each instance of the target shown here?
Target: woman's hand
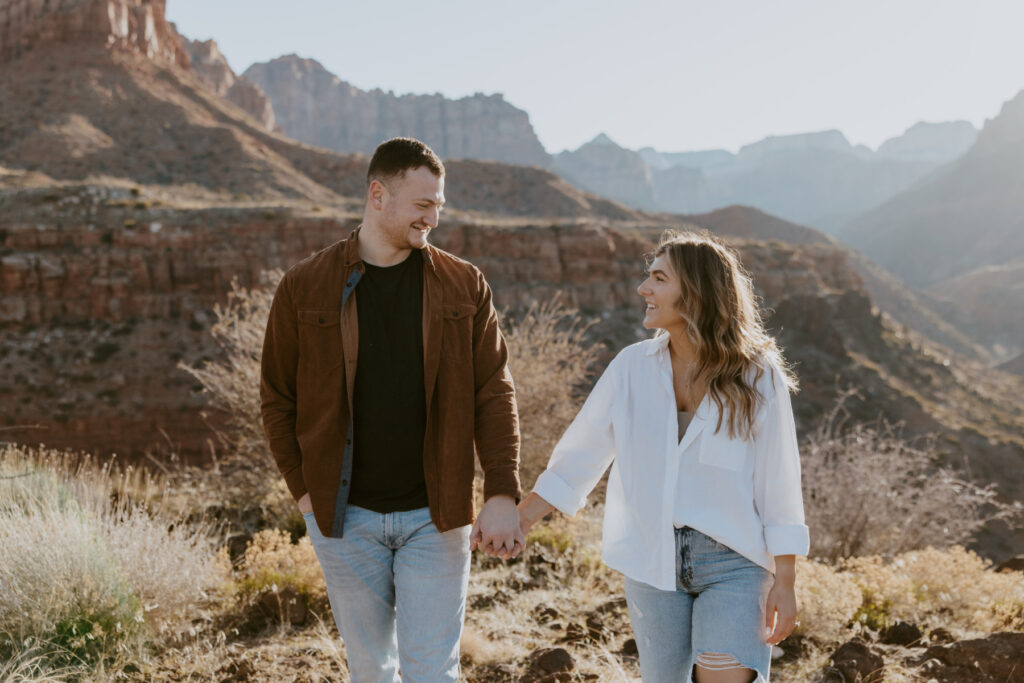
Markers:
(780, 609)
(531, 509)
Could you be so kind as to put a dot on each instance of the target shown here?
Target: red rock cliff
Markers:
(135, 25)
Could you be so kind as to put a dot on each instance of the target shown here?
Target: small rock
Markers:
(856, 663)
(628, 648)
(614, 605)
(549, 664)
(595, 627)
(545, 613)
(286, 604)
(996, 657)
(940, 636)
(902, 633)
(1014, 564)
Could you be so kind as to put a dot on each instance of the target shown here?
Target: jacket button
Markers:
(456, 314)
(321, 321)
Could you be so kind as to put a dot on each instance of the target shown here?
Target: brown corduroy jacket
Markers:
(308, 377)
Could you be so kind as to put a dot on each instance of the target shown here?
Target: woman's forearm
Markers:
(785, 569)
(532, 509)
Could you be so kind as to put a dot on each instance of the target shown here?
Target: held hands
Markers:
(305, 504)
(496, 530)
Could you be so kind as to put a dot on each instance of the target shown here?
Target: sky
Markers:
(674, 75)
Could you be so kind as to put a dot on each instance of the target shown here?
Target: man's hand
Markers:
(496, 530)
(305, 504)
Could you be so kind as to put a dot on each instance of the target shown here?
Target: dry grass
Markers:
(97, 578)
(951, 588)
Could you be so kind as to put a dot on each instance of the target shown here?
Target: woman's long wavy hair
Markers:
(723, 321)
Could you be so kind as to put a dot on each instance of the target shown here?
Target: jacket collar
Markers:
(353, 258)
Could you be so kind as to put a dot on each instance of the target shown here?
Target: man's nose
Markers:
(433, 217)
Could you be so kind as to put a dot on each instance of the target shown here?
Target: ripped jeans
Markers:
(714, 618)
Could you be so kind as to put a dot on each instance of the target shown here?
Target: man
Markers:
(382, 366)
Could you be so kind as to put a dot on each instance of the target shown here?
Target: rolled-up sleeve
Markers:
(777, 489)
(585, 450)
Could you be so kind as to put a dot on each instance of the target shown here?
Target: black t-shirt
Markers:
(390, 411)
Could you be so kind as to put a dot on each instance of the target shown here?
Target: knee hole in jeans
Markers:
(710, 663)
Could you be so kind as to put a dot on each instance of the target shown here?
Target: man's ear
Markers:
(376, 194)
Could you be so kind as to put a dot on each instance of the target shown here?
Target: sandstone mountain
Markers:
(602, 167)
(82, 109)
(316, 107)
(138, 26)
(961, 233)
(817, 179)
(210, 67)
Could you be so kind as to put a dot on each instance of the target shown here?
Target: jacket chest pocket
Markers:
(720, 451)
(457, 332)
(319, 340)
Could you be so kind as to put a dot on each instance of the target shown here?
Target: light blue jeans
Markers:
(397, 588)
(715, 617)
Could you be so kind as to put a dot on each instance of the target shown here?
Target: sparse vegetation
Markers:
(99, 577)
(868, 490)
(132, 581)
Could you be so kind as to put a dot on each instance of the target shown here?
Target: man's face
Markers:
(410, 207)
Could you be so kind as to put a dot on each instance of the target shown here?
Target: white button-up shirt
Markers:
(743, 493)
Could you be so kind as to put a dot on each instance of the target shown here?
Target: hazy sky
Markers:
(675, 75)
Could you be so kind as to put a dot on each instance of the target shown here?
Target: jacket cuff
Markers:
(502, 481)
(296, 484)
(554, 490)
(789, 539)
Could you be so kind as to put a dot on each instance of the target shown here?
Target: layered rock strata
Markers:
(138, 26)
(316, 107)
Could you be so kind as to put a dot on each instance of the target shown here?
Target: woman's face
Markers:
(661, 291)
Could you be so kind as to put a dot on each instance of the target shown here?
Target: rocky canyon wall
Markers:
(136, 25)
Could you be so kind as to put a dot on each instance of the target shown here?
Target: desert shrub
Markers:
(233, 384)
(272, 564)
(828, 600)
(868, 490)
(90, 577)
(952, 588)
(550, 359)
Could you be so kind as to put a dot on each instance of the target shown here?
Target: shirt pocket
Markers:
(319, 340)
(718, 450)
(457, 334)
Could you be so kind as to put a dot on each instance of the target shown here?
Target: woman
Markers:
(704, 514)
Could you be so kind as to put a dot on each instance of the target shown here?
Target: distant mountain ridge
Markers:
(816, 179)
(316, 107)
(960, 233)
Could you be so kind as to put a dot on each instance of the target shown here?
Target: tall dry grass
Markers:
(90, 577)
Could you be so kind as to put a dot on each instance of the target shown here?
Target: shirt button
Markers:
(344, 482)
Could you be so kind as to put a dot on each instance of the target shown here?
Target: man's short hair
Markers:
(398, 155)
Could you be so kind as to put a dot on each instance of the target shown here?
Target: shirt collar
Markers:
(658, 344)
